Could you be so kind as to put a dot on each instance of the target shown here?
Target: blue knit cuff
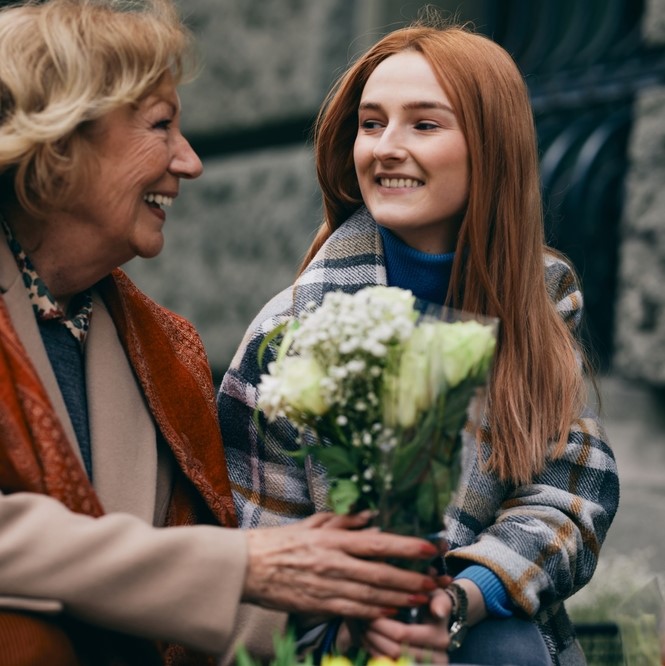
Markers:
(497, 601)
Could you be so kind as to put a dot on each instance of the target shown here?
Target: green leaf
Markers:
(275, 333)
(256, 418)
(285, 648)
(343, 495)
(426, 505)
(409, 463)
(291, 327)
(336, 460)
(243, 658)
(299, 455)
(444, 478)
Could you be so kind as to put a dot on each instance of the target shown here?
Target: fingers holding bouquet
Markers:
(439, 631)
(311, 567)
(426, 642)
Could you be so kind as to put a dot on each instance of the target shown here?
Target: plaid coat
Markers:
(542, 539)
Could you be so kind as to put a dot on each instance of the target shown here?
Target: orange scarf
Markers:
(169, 361)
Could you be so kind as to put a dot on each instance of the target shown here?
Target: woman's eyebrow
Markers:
(409, 106)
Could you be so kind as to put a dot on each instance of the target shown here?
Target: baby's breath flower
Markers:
(349, 346)
(375, 348)
(356, 366)
(338, 372)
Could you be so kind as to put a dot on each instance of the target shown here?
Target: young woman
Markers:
(426, 156)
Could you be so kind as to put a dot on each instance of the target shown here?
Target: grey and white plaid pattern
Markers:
(541, 539)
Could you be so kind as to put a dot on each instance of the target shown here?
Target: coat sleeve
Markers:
(541, 539)
(269, 486)
(178, 584)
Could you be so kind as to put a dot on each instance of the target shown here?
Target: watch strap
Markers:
(459, 624)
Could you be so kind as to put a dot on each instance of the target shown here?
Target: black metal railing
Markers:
(584, 63)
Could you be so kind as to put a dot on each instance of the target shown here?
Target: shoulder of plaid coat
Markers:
(564, 289)
(269, 487)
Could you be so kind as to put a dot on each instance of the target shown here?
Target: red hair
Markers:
(537, 388)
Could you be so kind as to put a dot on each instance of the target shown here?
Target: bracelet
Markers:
(459, 625)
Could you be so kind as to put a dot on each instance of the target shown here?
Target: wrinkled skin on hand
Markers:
(327, 564)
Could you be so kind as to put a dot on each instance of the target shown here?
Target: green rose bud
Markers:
(407, 393)
(464, 349)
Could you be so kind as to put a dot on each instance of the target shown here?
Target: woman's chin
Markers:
(150, 249)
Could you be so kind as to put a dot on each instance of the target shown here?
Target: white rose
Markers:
(300, 385)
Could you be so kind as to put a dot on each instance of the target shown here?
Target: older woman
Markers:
(107, 419)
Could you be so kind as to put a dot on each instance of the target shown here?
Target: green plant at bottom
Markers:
(286, 654)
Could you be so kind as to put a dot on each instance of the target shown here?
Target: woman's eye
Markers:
(426, 126)
(370, 124)
(163, 124)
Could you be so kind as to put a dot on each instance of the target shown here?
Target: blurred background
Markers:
(596, 74)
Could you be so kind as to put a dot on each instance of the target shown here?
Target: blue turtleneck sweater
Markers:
(426, 275)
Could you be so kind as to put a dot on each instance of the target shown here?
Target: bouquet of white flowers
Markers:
(380, 393)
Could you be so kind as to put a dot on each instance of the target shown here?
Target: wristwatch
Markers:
(459, 625)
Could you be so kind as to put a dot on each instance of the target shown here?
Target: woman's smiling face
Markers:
(139, 157)
(410, 155)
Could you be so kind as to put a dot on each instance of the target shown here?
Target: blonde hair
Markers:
(66, 63)
(537, 389)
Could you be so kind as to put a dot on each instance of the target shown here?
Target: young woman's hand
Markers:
(425, 643)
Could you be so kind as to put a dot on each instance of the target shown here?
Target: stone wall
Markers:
(640, 320)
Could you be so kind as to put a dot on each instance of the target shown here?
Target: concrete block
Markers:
(640, 311)
(654, 22)
(263, 60)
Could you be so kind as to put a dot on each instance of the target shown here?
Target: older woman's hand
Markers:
(302, 568)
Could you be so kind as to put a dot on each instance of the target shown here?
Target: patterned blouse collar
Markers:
(44, 305)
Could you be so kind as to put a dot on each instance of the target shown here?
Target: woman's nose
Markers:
(185, 162)
(390, 146)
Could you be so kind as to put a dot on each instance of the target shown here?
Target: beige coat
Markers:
(180, 584)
